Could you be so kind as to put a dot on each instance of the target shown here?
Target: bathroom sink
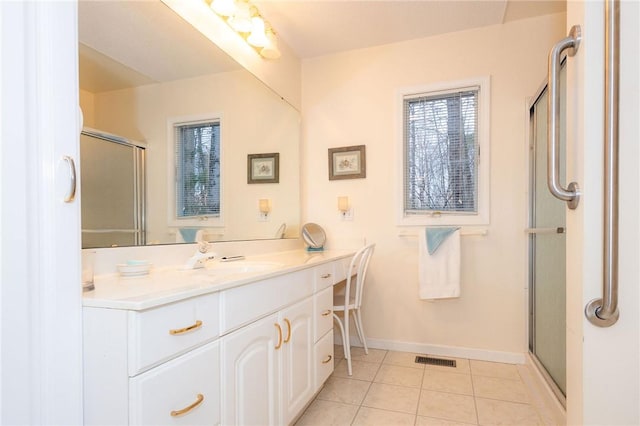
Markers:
(240, 267)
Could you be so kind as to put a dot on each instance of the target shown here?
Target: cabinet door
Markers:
(297, 357)
(251, 374)
(183, 391)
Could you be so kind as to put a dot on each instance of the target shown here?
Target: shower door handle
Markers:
(571, 194)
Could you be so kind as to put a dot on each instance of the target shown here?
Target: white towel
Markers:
(439, 273)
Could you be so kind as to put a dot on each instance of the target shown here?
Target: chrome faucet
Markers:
(200, 258)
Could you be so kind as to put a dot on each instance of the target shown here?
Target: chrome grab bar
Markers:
(604, 312)
(572, 194)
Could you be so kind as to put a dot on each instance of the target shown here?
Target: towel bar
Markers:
(463, 233)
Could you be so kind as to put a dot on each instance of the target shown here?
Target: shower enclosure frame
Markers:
(531, 243)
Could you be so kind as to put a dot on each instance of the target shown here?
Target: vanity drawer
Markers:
(177, 385)
(159, 334)
(323, 312)
(323, 359)
(324, 276)
(242, 305)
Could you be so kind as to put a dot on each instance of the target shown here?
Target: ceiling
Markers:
(320, 27)
(130, 43)
(156, 45)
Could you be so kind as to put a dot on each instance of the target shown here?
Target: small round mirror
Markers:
(313, 235)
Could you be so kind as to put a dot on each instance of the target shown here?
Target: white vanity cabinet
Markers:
(251, 352)
(153, 367)
(268, 374)
(326, 277)
(283, 342)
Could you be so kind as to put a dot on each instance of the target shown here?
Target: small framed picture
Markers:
(348, 162)
(263, 168)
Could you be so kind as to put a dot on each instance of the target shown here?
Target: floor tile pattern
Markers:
(389, 388)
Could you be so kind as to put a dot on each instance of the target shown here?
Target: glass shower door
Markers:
(547, 320)
(112, 191)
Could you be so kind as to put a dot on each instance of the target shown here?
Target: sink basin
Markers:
(240, 267)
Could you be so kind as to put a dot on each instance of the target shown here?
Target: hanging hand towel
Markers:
(188, 235)
(439, 263)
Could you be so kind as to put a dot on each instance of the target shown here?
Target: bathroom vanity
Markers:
(247, 342)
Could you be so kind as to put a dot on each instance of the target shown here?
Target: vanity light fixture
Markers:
(245, 19)
(264, 206)
(345, 210)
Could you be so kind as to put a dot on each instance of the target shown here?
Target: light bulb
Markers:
(223, 7)
(270, 50)
(257, 37)
(241, 20)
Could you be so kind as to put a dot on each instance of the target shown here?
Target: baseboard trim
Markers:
(440, 350)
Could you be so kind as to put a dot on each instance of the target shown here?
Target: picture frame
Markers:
(263, 168)
(347, 162)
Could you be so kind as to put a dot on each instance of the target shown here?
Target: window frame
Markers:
(216, 221)
(483, 164)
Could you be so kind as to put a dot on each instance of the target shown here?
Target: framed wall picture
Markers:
(263, 168)
(348, 162)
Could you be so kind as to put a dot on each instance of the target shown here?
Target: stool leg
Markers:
(358, 319)
(347, 341)
(345, 345)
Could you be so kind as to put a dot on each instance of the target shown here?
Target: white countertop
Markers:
(170, 284)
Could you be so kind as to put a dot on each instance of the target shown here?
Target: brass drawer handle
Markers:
(198, 324)
(199, 399)
(279, 345)
(326, 361)
(286, 340)
(326, 313)
(325, 276)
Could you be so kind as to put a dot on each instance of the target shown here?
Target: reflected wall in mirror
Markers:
(142, 69)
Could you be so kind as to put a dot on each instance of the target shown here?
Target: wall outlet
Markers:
(348, 215)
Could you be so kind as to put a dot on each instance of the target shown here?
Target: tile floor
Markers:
(389, 388)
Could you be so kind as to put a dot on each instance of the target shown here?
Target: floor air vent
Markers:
(435, 361)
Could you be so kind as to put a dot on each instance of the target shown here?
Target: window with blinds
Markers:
(197, 155)
(441, 150)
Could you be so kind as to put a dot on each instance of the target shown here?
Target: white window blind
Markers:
(440, 136)
(197, 154)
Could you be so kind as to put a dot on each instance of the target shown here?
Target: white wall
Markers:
(603, 364)
(349, 99)
(254, 120)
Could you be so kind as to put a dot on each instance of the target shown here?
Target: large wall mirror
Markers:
(157, 97)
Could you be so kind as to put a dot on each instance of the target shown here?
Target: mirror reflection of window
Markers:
(197, 169)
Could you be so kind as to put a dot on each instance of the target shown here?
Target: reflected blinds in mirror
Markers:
(440, 148)
(198, 169)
